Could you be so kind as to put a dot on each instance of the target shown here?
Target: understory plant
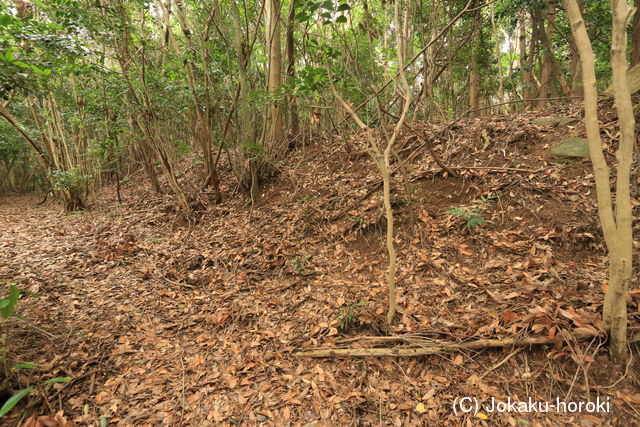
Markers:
(8, 301)
(472, 216)
(349, 314)
(18, 396)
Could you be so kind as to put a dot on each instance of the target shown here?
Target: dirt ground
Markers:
(162, 322)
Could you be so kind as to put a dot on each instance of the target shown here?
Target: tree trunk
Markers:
(616, 229)
(548, 60)
(624, 212)
(525, 62)
(575, 65)
(501, 96)
(291, 70)
(635, 35)
(248, 174)
(274, 130)
(474, 84)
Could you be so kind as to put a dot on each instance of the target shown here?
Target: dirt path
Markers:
(143, 346)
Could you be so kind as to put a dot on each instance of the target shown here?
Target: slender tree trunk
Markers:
(525, 61)
(474, 83)
(248, 180)
(617, 228)
(496, 34)
(291, 70)
(546, 35)
(617, 306)
(635, 35)
(274, 132)
(575, 65)
(200, 123)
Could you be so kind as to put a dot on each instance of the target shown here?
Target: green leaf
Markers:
(12, 298)
(9, 56)
(341, 18)
(343, 6)
(58, 380)
(13, 400)
(23, 366)
(328, 4)
(22, 64)
(302, 17)
(5, 20)
(474, 221)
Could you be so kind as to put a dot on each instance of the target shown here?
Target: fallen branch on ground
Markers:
(487, 168)
(429, 348)
(498, 168)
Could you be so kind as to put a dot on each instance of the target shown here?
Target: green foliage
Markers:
(256, 151)
(110, 68)
(70, 180)
(9, 301)
(52, 48)
(183, 148)
(309, 80)
(471, 217)
(19, 366)
(17, 397)
(299, 263)
(13, 400)
(327, 11)
(360, 222)
(349, 314)
(489, 198)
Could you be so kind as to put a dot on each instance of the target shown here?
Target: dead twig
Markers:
(502, 362)
(435, 348)
(487, 168)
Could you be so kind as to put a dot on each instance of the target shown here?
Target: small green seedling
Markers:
(471, 217)
(299, 263)
(348, 314)
(488, 199)
(361, 222)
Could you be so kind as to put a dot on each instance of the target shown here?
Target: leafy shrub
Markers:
(70, 180)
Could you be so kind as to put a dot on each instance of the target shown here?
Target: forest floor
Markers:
(160, 322)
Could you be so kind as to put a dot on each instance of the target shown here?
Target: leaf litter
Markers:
(161, 323)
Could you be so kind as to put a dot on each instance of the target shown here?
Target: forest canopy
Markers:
(96, 89)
